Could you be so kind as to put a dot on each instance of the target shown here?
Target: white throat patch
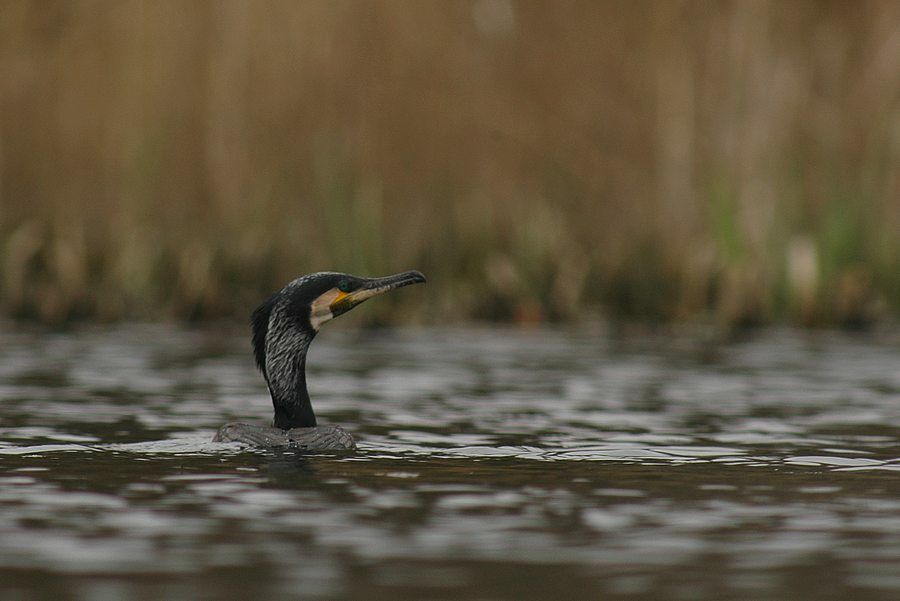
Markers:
(320, 310)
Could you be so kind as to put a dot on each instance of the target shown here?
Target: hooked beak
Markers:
(373, 287)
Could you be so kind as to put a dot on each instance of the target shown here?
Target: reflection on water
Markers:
(493, 464)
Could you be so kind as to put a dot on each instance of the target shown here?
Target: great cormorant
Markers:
(283, 327)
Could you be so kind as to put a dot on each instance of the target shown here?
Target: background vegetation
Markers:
(734, 161)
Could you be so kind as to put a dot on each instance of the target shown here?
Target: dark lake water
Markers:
(492, 464)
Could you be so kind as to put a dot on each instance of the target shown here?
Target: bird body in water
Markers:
(283, 327)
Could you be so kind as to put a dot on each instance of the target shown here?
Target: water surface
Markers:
(493, 464)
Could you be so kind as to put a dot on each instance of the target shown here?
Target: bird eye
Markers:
(344, 286)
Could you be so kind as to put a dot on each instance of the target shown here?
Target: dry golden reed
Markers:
(735, 161)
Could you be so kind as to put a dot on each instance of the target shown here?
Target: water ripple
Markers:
(761, 467)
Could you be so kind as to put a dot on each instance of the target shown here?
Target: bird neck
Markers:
(293, 408)
(286, 376)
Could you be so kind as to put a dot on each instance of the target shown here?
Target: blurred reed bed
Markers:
(733, 161)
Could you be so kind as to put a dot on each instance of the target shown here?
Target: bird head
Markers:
(298, 310)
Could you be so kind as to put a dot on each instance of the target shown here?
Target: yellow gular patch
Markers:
(320, 310)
